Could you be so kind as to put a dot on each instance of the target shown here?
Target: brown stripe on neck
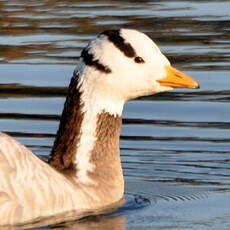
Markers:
(68, 134)
(105, 155)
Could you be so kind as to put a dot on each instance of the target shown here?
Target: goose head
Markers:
(116, 66)
(124, 64)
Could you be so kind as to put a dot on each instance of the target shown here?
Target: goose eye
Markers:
(139, 60)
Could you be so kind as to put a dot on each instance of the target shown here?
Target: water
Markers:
(175, 146)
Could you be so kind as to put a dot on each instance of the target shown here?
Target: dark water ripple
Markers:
(175, 146)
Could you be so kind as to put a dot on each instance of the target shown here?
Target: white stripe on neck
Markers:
(94, 102)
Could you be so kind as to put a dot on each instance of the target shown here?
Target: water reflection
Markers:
(103, 223)
(55, 31)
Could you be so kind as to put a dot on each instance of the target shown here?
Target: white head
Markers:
(125, 64)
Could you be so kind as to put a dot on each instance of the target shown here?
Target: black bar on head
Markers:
(88, 59)
(125, 47)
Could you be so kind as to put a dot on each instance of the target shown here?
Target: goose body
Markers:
(84, 171)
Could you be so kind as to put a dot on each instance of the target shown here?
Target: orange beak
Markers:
(177, 79)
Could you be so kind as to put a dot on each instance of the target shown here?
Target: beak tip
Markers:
(197, 86)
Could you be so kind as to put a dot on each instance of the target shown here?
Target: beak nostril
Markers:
(178, 75)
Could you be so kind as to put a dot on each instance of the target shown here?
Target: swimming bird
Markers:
(84, 171)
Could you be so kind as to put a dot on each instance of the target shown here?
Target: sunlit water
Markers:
(175, 146)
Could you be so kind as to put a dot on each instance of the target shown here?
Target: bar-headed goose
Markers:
(84, 171)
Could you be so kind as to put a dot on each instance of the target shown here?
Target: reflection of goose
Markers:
(84, 171)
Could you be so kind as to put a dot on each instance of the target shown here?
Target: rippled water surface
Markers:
(175, 146)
